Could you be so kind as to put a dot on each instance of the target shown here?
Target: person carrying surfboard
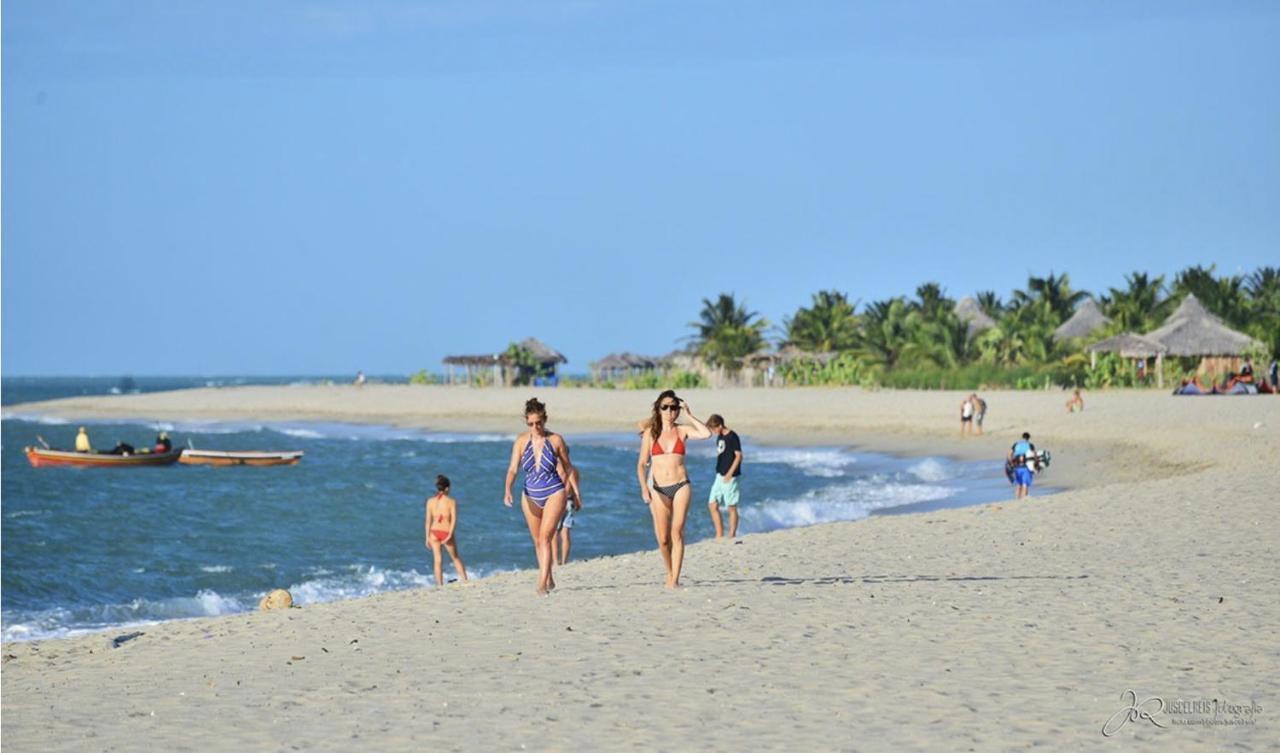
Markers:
(1017, 458)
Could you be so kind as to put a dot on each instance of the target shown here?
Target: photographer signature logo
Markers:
(1135, 711)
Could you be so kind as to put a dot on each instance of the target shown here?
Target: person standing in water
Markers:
(543, 455)
(662, 445)
(442, 525)
(966, 416)
(724, 490)
(561, 542)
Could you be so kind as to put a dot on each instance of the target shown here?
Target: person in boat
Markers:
(662, 450)
(163, 444)
(543, 455)
(442, 526)
(122, 448)
(82, 441)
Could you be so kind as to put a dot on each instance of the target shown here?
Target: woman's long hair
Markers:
(655, 420)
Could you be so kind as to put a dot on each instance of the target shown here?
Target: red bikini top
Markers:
(677, 450)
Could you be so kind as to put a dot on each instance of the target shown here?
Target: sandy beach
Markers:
(1002, 627)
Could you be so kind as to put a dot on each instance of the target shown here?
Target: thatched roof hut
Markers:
(787, 354)
(971, 313)
(1128, 345)
(542, 353)
(503, 370)
(1192, 331)
(1087, 319)
(615, 364)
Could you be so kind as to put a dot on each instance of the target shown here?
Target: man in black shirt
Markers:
(724, 491)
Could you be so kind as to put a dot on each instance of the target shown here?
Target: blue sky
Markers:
(319, 187)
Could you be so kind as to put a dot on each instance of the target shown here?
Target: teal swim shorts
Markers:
(724, 493)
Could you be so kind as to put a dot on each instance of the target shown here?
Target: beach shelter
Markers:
(1086, 320)
(1192, 331)
(619, 364)
(1130, 345)
(972, 314)
(503, 371)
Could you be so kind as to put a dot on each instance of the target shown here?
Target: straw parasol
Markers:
(971, 313)
(1087, 319)
(1130, 345)
(1192, 331)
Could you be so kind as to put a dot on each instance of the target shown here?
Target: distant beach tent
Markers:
(972, 314)
(762, 366)
(1133, 346)
(498, 368)
(1087, 319)
(616, 365)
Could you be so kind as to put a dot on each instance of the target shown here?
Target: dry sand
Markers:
(1002, 627)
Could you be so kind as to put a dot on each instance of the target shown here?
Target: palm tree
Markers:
(885, 331)
(727, 332)
(990, 303)
(1224, 296)
(932, 302)
(1264, 307)
(829, 324)
(1055, 292)
(943, 341)
(1139, 307)
(1023, 335)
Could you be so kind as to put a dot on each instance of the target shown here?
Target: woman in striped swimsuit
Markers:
(666, 487)
(538, 452)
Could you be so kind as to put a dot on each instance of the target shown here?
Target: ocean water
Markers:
(88, 549)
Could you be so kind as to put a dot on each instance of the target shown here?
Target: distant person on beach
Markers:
(966, 416)
(561, 542)
(442, 525)
(669, 492)
(979, 411)
(163, 444)
(1076, 403)
(724, 490)
(82, 441)
(1021, 473)
(359, 379)
(543, 455)
(1275, 373)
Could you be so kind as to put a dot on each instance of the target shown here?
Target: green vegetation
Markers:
(727, 333)
(921, 342)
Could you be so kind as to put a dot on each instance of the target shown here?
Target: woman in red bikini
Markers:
(442, 520)
(662, 446)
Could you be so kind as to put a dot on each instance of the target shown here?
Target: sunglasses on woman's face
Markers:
(671, 406)
(532, 424)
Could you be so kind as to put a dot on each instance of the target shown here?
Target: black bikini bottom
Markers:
(669, 491)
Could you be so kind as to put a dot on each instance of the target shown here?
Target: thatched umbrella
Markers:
(1130, 345)
(1087, 319)
(1192, 331)
(541, 352)
(971, 313)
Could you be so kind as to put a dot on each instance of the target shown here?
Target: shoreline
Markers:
(993, 626)
(472, 410)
